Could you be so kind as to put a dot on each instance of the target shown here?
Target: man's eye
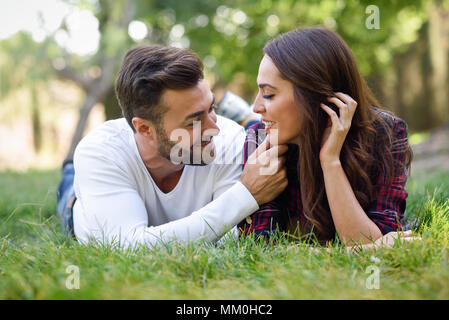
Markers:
(213, 108)
(268, 96)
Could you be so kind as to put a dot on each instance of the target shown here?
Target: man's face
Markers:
(189, 125)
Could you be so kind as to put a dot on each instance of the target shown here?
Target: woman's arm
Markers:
(388, 206)
(350, 220)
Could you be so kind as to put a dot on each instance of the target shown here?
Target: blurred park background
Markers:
(59, 59)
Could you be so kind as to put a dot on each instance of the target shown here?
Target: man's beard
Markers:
(193, 157)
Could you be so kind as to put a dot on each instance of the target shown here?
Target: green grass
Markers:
(34, 256)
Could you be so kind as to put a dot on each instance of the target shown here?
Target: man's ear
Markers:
(143, 127)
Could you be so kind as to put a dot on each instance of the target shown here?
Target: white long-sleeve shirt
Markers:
(118, 201)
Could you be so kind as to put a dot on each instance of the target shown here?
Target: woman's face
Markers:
(275, 102)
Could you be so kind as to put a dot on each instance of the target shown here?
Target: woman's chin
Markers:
(294, 140)
(278, 139)
(274, 141)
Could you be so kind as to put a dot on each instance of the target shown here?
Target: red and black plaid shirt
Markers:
(386, 210)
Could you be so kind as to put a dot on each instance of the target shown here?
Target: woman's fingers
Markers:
(407, 233)
(352, 104)
(412, 238)
(346, 105)
(402, 234)
(333, 139)
(340, 104)
(332, 114)
(336, 123)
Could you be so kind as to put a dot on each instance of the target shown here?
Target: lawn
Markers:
(36, 260)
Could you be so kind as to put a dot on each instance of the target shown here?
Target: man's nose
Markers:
(211, 125)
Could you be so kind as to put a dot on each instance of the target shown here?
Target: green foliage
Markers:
(23, 62)
(234, 32)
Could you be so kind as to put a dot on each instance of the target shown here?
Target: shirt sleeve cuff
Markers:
(244, 198)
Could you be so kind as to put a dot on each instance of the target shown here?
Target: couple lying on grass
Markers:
(332, 164)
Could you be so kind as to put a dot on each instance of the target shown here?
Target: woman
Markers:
(347, 158)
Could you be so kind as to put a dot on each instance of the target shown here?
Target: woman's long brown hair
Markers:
(318, 63)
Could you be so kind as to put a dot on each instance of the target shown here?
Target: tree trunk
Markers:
(101, 89)
(438, 35)
(85, 110)
(36, 120)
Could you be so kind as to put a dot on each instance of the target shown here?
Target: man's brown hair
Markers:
(149, 70)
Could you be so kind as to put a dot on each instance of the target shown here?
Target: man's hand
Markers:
(264, 174)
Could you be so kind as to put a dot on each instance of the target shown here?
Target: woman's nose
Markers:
(258, 105)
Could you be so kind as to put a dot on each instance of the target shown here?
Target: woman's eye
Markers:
(268, 96)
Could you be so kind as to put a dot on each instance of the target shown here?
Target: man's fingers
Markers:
(282, 148)
(274, 167)
(277, 151)
(260, 150)
(265, 145)
(283, 160)
(281, 179)
(283, 185)
(283, 174)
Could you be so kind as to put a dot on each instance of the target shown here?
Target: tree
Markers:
(114, 18)
(21, 61)
(229, 36)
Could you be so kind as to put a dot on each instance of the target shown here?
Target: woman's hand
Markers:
(335, 134)
(387, 240)
(390, 238)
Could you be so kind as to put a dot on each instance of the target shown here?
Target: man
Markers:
(137, 182)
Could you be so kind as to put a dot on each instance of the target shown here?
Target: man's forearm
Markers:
(208, 223)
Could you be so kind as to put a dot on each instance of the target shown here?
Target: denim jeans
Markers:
(66, 199)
